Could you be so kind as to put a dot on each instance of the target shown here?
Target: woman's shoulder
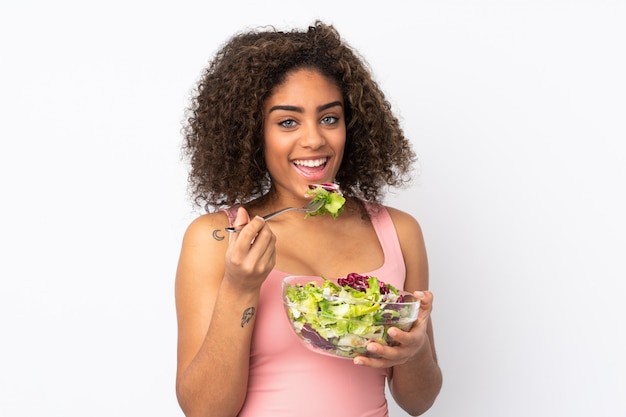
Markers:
(202, 251)
(400, 218)
(207, 226)
(407, 226)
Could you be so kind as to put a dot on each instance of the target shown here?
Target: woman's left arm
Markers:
(415, 377)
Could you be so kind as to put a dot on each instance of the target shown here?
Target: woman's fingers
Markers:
(426, 306)
(251, 255)
(410, 342)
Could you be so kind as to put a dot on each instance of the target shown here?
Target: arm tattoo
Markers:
(247, 316)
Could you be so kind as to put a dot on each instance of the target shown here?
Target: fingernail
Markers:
(358, 361)
(420, 293)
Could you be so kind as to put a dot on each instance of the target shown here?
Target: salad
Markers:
(341, 317)
(332, 197)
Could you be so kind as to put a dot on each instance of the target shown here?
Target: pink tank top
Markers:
(288, 380)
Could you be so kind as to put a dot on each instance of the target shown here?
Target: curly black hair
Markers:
(223, 130)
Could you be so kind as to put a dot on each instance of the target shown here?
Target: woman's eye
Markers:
(329, 120)
(288, 123)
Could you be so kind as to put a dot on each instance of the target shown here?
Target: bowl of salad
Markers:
(339, 317)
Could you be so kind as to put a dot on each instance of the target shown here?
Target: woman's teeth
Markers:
(311, 163)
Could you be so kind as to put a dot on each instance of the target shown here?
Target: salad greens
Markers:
(332, 197)
(341, 318)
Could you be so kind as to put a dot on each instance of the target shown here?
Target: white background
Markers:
(516, 110)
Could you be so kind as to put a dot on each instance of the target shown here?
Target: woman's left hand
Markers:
(410, 342)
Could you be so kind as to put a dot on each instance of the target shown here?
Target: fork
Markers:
(310, 207)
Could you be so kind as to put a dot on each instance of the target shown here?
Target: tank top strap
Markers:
(231, 213)
(387, 236)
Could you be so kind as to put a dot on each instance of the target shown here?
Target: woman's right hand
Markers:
(251, 253)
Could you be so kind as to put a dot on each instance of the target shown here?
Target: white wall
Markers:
(517, 112)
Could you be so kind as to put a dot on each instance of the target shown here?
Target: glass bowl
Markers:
(330, 323)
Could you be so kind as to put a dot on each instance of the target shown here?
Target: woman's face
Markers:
(304, 131)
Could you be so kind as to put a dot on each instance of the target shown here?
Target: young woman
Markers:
(275, 112)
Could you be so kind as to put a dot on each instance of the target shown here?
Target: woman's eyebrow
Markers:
(301, 110)
(329, 105)
(287, 108)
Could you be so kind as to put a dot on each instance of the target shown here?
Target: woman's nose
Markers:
(312, 137)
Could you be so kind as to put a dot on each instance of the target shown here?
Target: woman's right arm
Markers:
(217, 291)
